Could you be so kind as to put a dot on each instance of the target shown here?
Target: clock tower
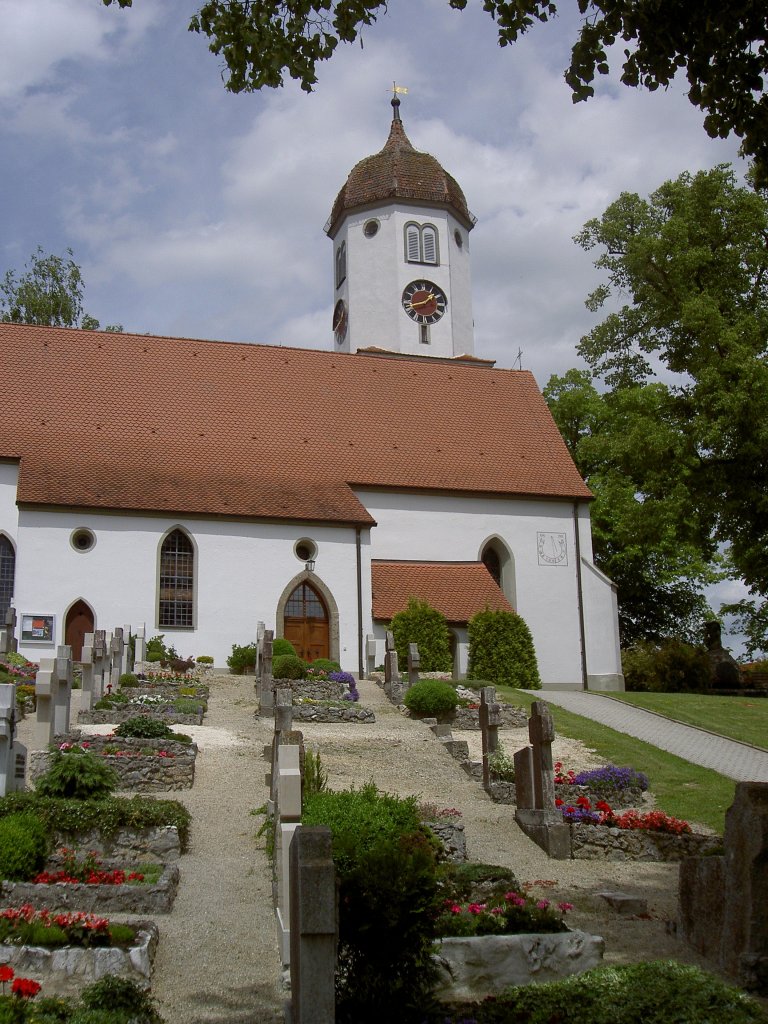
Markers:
(400, 230)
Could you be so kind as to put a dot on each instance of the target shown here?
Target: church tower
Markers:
(400, 230)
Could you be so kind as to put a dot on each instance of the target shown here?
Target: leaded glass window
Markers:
(177, 580)
(7, 575)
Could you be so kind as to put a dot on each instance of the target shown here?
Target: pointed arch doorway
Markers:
(306, 622)
(78, 622)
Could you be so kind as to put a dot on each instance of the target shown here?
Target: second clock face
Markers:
(424, 302)
(340, 321)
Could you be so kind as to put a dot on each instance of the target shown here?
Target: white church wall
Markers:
(454, 528)
(603, 649)
(9, 514)
(240, 572)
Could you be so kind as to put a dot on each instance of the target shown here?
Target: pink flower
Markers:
(565, 907)
(542, 904)
(476, 908)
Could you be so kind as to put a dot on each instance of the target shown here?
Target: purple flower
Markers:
(611, 777)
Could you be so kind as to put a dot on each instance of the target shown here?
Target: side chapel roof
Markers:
(398, 171)
(457, 589)
(174, 425)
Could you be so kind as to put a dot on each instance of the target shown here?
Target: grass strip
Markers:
(682, 789)
(738, 718)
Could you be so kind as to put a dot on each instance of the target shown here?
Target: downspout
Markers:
(359, 603)
(580, 598)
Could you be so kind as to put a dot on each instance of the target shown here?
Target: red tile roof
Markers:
(399, 171)
(457, 589)
(124, 421)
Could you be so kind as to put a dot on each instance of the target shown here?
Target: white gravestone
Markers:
(63, 694)
(13, 756)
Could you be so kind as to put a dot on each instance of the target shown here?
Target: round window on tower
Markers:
(370, 228)
(82, 539)
(459, 239)
(305, 549)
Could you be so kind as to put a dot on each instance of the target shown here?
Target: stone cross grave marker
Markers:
(266, 693)
(260, 627)
(63, 693)
(490, 720)
(287, 819)
(283, 712)
(391, 674)
(541, 732)
(86, 673)
(100, 666)
(115, 657)
(140, 645)
(46, 684)
(125, 661)
(313, 926)
(8, 642)
(13, 755)
(370, 652)
(414, 661)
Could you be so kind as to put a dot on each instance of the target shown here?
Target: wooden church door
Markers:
(79, 622)
(306, 623)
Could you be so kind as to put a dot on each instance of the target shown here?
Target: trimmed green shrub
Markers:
(121, 995)
(128, 679)
(388, 900)
(242, 659)
(670, 667)
(432, 698)
(23, 846)
(424, 625)
(77, 775)
(204, 659)
(326, 665)
(146, 728)
(501, 649)
(655, 992)
(282, 646)
(288, 666)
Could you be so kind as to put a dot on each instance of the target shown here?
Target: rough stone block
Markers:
(624, 904)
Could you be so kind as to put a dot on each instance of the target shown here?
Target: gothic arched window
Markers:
(177, 581)
(7, 574)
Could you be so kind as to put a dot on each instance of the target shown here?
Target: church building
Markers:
(199, 487)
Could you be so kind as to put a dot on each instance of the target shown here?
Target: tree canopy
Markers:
(676, 448)
(721, 44)
(50, 292)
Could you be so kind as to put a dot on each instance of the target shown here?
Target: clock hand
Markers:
(423, 302)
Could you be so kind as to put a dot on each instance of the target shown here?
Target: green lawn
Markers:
(739, 718)
(682, 789)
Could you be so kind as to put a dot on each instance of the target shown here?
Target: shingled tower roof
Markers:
(399, 171)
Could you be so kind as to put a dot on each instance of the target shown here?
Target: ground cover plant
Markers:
(607, 782)
(656, 992)
(77, 774)
(682, 789)
(738, 718)
(111, 1000)
(108, 816)
(25, 926)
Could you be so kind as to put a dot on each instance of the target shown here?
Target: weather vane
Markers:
(519, 359)
(402, 89)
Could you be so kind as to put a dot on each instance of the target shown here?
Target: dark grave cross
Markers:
(414, 662)
(541, 732)
(391, 672)
(266, 693)
(490, 720)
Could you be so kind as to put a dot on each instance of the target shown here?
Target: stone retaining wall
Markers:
(101, 899)
(139, 772)
(320, 689)
(67, 970)
(469, 718)
(158, 845)
(452, 838)
(349, 714)
(621, 799)
(598, 842)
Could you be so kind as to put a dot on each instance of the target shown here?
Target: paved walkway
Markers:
(739, 761)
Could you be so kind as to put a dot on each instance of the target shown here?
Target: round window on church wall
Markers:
(370, 228)
(305, 549)
(459, 239)
(82, 540)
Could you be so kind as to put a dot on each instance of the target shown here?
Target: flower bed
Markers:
(122, 712)
(122, 898)
(144, 765)
(157, 845)
(66, 969)
(621, 787)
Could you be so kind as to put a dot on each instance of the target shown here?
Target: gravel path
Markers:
(217, 960)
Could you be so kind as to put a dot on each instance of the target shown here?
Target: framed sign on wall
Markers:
(38, 629)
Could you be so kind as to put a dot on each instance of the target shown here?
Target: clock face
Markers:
(340, 321)
(424, 302)
(552, 549)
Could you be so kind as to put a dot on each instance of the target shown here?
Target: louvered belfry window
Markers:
(421, 243)
(341, 264)
(177, 580)
(7, 575)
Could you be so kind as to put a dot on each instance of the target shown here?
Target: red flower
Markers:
(559, 801)
(26, 988)
(6, 973)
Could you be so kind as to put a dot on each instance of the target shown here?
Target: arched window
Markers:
(492, 563)
(421, 243)
(341, 264)
(7, 575)
(500, 563)
(306, 623)
(177, 581)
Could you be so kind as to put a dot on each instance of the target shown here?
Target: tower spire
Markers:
(396, 99)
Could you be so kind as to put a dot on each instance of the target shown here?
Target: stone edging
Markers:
(352, 714)
(122, 712)
(141, 773)
(101, 899)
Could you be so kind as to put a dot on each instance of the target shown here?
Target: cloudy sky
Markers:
(198, 213)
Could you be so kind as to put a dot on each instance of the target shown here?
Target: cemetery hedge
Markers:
(656, 992)
(242, 659)
(501, 650)
(420, 623)
(107, 816)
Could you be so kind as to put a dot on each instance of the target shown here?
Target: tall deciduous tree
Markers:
(685, 359)
(722, 44)
(50, 292)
